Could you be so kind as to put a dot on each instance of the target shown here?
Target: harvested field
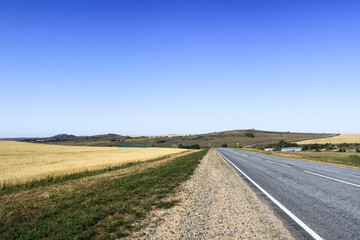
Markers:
(348, 138)
(21, 163)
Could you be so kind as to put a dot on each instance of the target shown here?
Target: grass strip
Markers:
(104, 209)
(338, 158)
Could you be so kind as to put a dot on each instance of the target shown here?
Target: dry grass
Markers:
(161, 136)
(348, 138)
(25, 162)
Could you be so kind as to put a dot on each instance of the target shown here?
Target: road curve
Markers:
(326, 198)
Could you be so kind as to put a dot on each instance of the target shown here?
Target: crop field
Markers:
(348, 138)
(21, 163)
(101, 204)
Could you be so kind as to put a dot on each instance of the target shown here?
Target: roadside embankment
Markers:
(214, 203)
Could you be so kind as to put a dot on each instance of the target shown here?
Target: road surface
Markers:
(323, 199)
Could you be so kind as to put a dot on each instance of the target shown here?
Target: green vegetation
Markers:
(281, 144)
(312, 146)
(341, 158)
(250, 135)
(102, 206)
(193, 146)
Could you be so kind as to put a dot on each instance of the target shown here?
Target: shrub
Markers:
(281, 144)
(250, 135)
(357, 150)
(193, 146)
(344, 144)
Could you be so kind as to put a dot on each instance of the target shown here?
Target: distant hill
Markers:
(58, 138)
(247, 137)
(62, 137)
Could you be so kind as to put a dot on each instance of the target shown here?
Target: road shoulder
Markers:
(215, 203)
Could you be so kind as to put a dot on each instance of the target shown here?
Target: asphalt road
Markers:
(326, 198)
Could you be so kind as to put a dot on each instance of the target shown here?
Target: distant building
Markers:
(292, 149)
(270, 149)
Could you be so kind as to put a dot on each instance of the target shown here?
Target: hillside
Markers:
(215, 139)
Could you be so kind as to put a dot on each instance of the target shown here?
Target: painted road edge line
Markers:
(278, 164)
(290, 214)
(338, 180)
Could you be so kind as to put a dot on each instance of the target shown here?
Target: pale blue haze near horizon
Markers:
(165, 67)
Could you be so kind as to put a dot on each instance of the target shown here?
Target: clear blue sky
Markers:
(157, 67)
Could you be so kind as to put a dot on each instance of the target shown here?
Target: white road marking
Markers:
(278, 164)
(290, 214)
(256, 157)
(338, 180)
(243, 154)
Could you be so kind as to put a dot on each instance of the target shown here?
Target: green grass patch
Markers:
(105, 209)
(346, 159)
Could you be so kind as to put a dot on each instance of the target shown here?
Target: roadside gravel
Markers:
(214, 203)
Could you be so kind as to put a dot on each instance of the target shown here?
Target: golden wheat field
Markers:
(24, 162)
(348, 138)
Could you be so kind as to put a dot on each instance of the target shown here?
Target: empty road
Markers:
(323, 199)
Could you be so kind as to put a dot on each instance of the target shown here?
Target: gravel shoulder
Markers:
(215, 203)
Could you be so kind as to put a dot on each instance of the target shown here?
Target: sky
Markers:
(165, 67)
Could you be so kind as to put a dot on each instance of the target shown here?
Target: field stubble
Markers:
(348, 138)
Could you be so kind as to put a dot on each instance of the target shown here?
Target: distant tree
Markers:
(250, 135)
(282, 143)
(224, 145)
(193, 146)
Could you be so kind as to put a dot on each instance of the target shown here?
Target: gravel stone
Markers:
(215, 203)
